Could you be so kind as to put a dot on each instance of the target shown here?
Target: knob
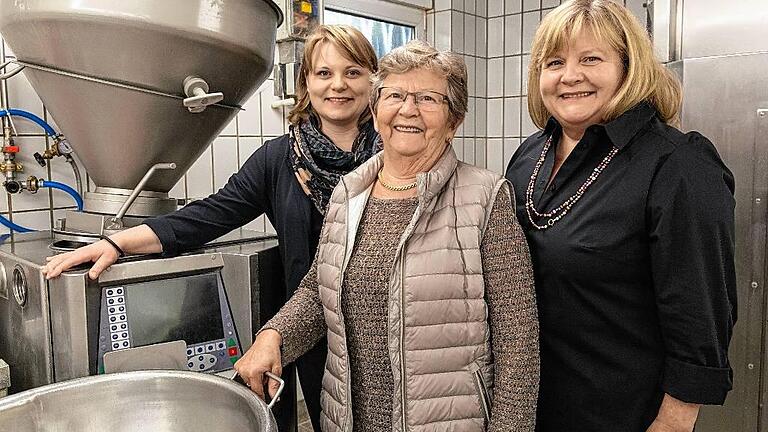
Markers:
(40, 159)
(198, 97)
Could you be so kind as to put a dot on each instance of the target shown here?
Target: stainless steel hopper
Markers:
(112, 73)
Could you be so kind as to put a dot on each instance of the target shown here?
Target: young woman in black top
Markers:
(289, 179)
(631, 228)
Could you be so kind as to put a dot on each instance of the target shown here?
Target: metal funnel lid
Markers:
(112, 72)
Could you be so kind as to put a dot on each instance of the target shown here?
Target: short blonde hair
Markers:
(644, 78)
(417, 54)
(353, 45)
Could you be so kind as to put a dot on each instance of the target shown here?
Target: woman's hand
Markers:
(138, 240)
(264, 356)
(675, 416)
(101, 253)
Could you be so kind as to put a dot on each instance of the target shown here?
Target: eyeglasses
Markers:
(427, 101)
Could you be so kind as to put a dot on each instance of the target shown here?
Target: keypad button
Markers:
(190, 351)
(111, 301)
(110, 292)
(125, 343)
(119, 291)
(190, 365)
(123, 326)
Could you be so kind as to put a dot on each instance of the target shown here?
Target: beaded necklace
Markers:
(561, 210)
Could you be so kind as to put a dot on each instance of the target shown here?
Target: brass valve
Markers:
(60, 147)
(11, 167)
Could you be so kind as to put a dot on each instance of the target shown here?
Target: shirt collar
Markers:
(621, 130)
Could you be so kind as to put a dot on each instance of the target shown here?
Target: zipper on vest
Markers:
(402, 338)
(348, 379)
(485, 401)
(401, 254)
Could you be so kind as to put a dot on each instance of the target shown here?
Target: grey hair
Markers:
(417, 54)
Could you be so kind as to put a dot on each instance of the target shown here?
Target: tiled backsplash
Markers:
(494, 36)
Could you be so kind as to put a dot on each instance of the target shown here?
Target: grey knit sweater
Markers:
(511, 303)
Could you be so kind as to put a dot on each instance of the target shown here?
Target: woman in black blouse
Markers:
(631, 229)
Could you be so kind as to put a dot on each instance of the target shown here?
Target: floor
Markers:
(304, 424)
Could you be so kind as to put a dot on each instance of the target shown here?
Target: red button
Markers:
(233, 351)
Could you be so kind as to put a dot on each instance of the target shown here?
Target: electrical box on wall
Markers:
(302, 17)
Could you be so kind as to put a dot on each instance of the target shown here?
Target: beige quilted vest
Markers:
(444, 370)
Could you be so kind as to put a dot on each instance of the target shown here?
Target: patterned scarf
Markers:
(319, 164)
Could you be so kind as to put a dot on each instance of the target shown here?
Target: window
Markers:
(391, 27)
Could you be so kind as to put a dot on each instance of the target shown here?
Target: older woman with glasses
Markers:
(422, 280)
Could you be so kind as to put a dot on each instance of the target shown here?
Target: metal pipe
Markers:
(76, 170)
(116, 222)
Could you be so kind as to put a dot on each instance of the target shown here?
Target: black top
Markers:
(265, 184)
(636, 285)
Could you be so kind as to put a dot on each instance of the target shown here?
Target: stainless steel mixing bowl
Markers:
(157, 401)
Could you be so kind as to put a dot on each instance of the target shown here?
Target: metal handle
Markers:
(7, 75)
(198, 97)
(279, 389)
(116, 222)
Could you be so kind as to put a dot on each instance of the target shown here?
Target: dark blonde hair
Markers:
(418, 54)
(352, 44)
(644, 78)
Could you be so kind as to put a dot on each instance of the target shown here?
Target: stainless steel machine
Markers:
(139, 88)
(720, 52)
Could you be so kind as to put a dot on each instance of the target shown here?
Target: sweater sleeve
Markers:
(513, 319)
(300, 321)
(241, 200)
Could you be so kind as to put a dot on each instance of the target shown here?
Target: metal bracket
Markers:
(5, 76)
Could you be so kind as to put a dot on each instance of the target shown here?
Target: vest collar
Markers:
(428, 184)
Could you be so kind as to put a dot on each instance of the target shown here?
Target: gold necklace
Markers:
(396, 188)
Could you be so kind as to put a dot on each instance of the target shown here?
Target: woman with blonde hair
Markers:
(422, 280)
(631, 228)
(289, 179)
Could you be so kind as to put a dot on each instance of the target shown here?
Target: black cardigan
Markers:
(265, 184)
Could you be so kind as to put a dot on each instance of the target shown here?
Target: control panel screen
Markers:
(185, 308)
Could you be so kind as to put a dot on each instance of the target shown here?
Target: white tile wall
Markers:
(512, 26)
(495, 8)
(496, 37)
(496, 77)
(495, 155)
(512, 76)
(513, 6)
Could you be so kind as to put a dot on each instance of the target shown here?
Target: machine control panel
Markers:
(191, 308)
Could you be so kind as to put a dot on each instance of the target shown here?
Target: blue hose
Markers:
(48, 184)
(28, 115)
(13, 226)
(62, 187)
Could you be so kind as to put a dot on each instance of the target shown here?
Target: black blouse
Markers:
(636, 284)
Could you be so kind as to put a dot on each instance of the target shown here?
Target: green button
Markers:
(101, 370)
(231, 342)
(234, 359)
